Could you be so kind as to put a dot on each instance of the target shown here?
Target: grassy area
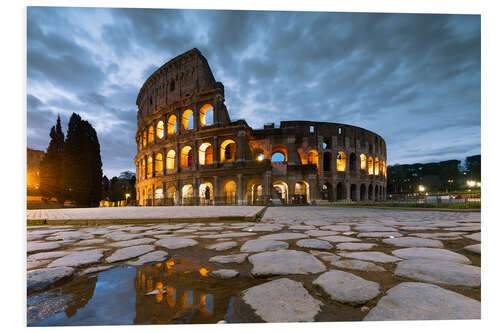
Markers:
(461, 205)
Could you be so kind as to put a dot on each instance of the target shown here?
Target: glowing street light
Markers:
(471, 183)
(260, 157)
(421, 188)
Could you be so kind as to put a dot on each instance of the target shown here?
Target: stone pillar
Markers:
(196, 117)
(216, 193)
(240, 190)
(216, 150)
(239, 146)
(178, 193)
(178, 158)
(164, 189)
(196, 189)
(266, 187)
(164, 152)
(195, 154)
(348, 191)
(180, 130)
(153, 173)
(154, 193)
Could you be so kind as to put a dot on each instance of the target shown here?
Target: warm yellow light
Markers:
(260, 157)
(421, 188)
(203, 271)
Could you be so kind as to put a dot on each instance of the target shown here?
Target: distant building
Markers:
(33, 159)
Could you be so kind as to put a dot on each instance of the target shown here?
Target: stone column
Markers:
(164, 189)
(266, 187)
(348, 191)
(239, 146)
(178, 193)
(164, 152)
(196, 189)
(195, 154)
(240, 190)
(196, 117)
(178, 158)
(216, 193)
(216, 150)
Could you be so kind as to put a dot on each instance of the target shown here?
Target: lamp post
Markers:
(127, 195)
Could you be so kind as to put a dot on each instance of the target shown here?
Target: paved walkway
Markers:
(380, 264)
(141, 214)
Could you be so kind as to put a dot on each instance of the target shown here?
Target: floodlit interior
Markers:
(228, 151)
(187, 119)
(376, 166)
(171, 160)
(362, 159)
(341, 161)
(206, 192)
(150, 167)
(229, 191)
(151, 134)
(206, 154)
(160, 129)
(370, 165)
(313, 157)
(172, 125)
(206, 115)
(158, 163)
(186, 157)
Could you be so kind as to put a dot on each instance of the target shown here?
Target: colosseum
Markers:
(191, 153)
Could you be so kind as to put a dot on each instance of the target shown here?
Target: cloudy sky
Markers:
(413, 79)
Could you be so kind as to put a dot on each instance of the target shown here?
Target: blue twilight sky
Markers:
(415, 79)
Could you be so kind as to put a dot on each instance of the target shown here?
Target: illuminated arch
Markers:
(187, 194)
(229, 191)
(254, 192)
(280, 191)
(206, 115)
(143, 168)
(159, 193)
(278, 157)
(160, 129)
(151, 134)
(362, 159)
(186, 157)
(377, 167)
(205, 154)
(301, 193)
(144, 139)
(149, 170)
(228, 151)
(370, 165)
(172, 125)
(158, 163)
(341, 161)
(280, 149)
(187, 119)
(171, 160)
(206, 193)
(258, 154)
(171, 195)
(313, 157)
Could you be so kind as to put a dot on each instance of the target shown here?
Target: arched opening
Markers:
(370, 165)
(229, 192)
(327, 161)
(254, 192)
(187, 119)
(352, 162)
(160, 129)
(171, 197)
(187, 194)
(376, 192)
(362, 159)
(186, 157)
(172, 125)
(205, 154)
(370, 192)
(158, 163)
(206, 193)
(327, 192)
(150, 197)
(301, 193)
(278, 157)
(341, 161)
(341, 191)
(258, 154)
(158, 195)
(228, 151)
(313, 158)
(206, 115)
(362, 192)
(144, 139)
(354, 192)
(280, 192)
(171, 160)
(150, 166)
(377, 169)
(143, 169)
(151, 134)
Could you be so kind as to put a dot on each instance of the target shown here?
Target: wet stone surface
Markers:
(296, 264)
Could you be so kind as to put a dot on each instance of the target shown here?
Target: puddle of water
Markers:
(175, 291)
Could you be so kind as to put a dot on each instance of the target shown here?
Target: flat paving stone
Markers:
(340, 239)
(378, 234)
(121, 236)
(476, 236)
(285, 236)
(314, 244)
(374, 228)
(431, 253)
(230, 235)
(476, 248)
(336, 228)
(440, 235)
(129, 253)
(260, 245)
(224, 273)
(173, 243)
(154, 256)
(42, 246)
(133, 242)
(265, 227)
(222, 246)
(229, 259)
(282, 300)
(355, 246)
(284, 262)
(48, 255)
(423, 301)
(40, 279)
(78, 258)
(320, 233)
(76, 235)
(443, 272)
(413, 242)
(346, 287)
(32, 264)
(94, 241)
(358, 265)
(301, 227)
(370, 256)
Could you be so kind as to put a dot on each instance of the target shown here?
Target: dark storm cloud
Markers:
(414, 79)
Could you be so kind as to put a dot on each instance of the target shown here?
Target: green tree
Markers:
(51, 166)
(473, 166)
(82, 163)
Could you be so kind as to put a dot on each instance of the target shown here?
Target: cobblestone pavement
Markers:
(375, 264)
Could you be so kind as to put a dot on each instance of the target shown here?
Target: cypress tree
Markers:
(51, 166)
(82, 163)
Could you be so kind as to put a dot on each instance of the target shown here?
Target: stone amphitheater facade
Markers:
(190, 152)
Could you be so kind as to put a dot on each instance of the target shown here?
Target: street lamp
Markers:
(127, 195)
(421, 188)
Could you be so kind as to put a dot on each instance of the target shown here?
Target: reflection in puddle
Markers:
(175, 291)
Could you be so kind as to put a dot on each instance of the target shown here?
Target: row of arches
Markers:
(353, 192)
(157, 162)
(162, 128)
